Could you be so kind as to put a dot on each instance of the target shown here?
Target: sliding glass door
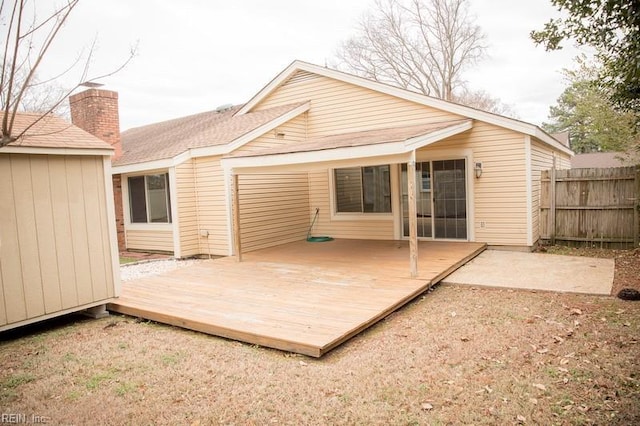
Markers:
(441, 199)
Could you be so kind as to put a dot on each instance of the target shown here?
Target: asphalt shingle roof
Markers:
(353, 139)
(53, 132)
(170, 138)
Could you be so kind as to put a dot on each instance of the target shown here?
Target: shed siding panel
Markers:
(79, 234)
(46, 233)
(210, 197)
(14, 307)
(63, 226)
(338, 107)
(274, 209)
(56, 251)
(92, 180)
(186, 200)
(28, 238)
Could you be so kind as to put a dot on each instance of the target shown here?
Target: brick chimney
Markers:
(96, 111)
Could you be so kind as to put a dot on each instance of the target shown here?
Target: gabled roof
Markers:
(52, 132)
(211, 129)
(454, 108)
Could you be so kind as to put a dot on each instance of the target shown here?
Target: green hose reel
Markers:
(316, 239)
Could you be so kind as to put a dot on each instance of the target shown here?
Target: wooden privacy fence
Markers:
(596, 207)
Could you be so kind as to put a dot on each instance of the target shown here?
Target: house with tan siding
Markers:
(364, 159)
(58, 249)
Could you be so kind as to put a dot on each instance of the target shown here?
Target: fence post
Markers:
(636, 210)
(552, 203)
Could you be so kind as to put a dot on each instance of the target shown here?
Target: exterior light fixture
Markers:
(478, 170)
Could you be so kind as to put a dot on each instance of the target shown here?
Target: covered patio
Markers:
(300, 297)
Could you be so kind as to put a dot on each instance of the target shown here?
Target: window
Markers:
(149, 200)
(363, 189)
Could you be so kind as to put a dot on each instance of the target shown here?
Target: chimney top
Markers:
(96, 111)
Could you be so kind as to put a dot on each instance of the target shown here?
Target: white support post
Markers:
(413, 216)
(236, 217)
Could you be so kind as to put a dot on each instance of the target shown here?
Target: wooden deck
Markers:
(301, 297)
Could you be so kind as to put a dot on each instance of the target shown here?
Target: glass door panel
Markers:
(450, 199)
(423, 200)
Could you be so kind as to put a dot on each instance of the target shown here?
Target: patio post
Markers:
(235, 200)
(413, 215)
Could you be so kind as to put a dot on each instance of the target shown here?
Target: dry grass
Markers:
(458, 355)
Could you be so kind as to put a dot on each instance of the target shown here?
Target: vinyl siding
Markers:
(542, 159)
(338, 107)
(500, 195)
(56, 247)
(211, 202)
(367, 229)
(274, 209)
(151, 239)
(293, 131)
(187, 217)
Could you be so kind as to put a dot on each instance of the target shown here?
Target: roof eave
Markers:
(21, 149)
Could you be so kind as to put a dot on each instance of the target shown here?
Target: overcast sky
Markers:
(195, 55)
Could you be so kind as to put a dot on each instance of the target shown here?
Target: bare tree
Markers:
(24, 46)
(482, 100)
(422, 46)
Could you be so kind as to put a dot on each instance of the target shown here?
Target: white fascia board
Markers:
(270, 87)
(11, 149)
(248, 137)
(326, 155)
(142, 167)
(438, 135)
(465, 111)
(165, 163)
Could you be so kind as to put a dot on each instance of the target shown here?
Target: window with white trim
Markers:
(149, 199)
(363, 189)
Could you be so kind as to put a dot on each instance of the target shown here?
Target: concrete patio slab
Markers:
(537, 271)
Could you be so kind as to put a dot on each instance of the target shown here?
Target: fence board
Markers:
(591, 206)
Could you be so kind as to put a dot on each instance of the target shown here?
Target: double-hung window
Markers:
(149, 200)
(363, 189)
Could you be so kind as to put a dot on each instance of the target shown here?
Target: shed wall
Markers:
(55, 254)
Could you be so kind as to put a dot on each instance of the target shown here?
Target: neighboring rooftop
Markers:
(213, 128)
(602, 160)
(52, 132)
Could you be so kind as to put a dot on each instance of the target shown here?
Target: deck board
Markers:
(299, 297)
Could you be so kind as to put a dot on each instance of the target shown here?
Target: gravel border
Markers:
(145, 268)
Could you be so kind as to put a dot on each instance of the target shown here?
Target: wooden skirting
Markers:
(301, 297)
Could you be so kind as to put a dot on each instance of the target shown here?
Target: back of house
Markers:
(319, 143)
